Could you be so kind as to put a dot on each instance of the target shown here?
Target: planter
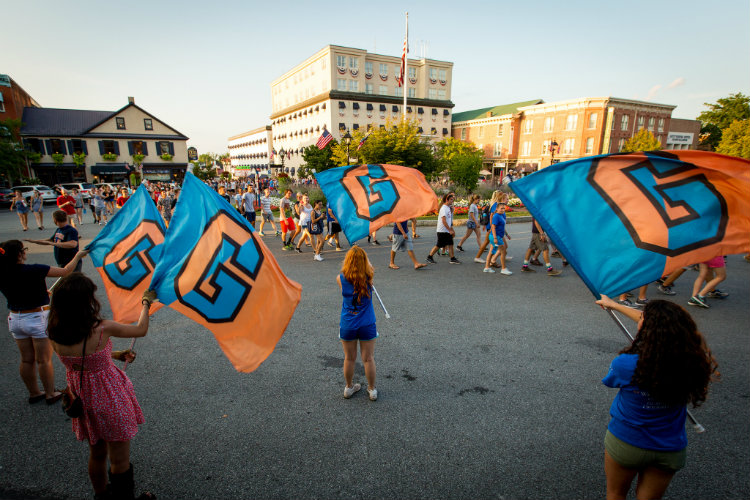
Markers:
(109, 157)
(166, 157)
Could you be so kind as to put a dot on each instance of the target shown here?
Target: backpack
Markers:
(484, 218)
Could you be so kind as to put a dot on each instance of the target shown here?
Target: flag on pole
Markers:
(324, 139)
(125, 253)
(625, 220)
(273, 152)
(367, 197)
(217, 272)
(362, 141)
(402, 70)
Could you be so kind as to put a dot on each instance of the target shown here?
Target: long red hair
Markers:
(358, 271)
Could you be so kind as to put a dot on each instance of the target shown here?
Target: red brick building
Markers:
(13, 99)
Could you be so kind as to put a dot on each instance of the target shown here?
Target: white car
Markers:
(48, 195)
(83, 187)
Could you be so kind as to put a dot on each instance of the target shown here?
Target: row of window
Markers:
(345, 85)
(78, 146)
(625, 123)
(262, 140)
(341, 63)
(148, 123)
(394, 108)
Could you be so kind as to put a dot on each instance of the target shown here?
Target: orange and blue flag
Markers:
(367, 197)
(125, 253)
(625, 220)
(216, 271)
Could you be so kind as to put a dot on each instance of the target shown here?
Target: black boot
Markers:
(122, 486)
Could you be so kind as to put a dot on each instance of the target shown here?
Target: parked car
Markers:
(112, 187)
(48, 195)
(83, 187)
(6, 197)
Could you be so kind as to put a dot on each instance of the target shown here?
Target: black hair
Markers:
(9, 254)
(74, 310)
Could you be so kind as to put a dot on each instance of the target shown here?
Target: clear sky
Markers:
(205, 67)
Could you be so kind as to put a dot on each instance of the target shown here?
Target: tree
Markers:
(735, 140)
(643, 140)
(394, 144)
(12, 154)
(461, 160)
(203, 172)
(721, 115)
(317, 159)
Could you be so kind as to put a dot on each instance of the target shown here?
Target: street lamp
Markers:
(281, 154)
(348, 140)
(552, 148)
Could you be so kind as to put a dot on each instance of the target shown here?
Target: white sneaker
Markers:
(318, 257)
(261, 233)
(349, 391)
(488, 270)
(506, 272)
(373, 393)
(331, 243)
(478, 260)
(508, 257)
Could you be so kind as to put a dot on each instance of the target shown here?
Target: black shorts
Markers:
(334, 228)
(444, 240)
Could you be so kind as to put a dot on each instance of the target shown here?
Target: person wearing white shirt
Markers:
(445, 232)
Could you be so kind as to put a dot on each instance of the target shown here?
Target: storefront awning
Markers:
(109, 169)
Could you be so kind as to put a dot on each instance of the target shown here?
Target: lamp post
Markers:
(281, 154)
(348, 140)
(552, 148)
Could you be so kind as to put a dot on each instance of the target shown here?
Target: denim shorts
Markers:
(471, 224)
(28, 325)
(367, 332)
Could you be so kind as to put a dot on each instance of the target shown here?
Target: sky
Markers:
(205, 68)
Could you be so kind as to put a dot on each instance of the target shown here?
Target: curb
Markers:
(462, 222)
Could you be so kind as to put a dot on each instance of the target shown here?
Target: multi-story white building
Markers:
(250, 153)
(342, 88)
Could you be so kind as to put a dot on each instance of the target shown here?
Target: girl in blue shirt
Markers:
(667, 366)
(357, 319)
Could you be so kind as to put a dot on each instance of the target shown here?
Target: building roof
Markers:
(60, 122)
(503, 109)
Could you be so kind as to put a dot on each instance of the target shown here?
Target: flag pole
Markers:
(696, 425)
(387, 316)
(406, 67)
(132, 344)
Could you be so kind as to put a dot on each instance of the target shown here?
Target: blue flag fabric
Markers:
(625, 220)
(218, 272)
(125, 253)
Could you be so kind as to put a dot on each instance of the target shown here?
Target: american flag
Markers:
(273, 153)
(325, 138)
(362, 142)
(400, 77)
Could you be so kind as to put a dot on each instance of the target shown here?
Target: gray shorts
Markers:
(401, 244)
(267, 217)
(537, 243)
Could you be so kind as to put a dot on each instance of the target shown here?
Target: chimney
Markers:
(131, 100)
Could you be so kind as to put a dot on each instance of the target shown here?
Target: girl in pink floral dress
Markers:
(111, 413)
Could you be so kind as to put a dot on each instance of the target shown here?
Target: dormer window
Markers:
(120, 123)
(148, 124)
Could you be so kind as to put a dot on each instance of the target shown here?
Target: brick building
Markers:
(530, 135)
(13, 99)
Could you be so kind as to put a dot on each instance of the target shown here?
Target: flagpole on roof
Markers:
(405, 76)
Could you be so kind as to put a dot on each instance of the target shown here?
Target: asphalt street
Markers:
(490, 387)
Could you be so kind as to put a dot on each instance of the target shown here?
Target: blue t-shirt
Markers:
(63, 234)
(498, 220)
(493, 207)
(403, 225)
(637, 418)
(329, 217)
(355, 315)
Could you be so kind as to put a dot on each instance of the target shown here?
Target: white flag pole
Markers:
(406, 66)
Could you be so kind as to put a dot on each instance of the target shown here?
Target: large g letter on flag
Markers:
(367, 197)
(625, 220)
(125, 254)
(215, 271)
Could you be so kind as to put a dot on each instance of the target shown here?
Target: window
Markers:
(433, 131)
(569, 146)
(383, 89)
(549, 123)
(526, 148)
(164, 147)
(412, 73)
(499, 129)
(661, 124)
(589, 145)
(148, 124)
(342, 126)
(399, 91)
(340, 84)
(120, 123)
(620, 144)
(498, 149)
(640, 122)
(397, 71)
(56, 146)
(592, 120)
(35, 145)
(137, 148)
(353, 63)
(528, 126)
(624, 122)
(412, 92)
(545, 147)
(442, 75)
(77, 146)
(433, 74)
(368, 68)
(384, 69)
(463, 134)
(572, 122)
(341, 61)
(108, 147)
(432, 93)
(353, 86)
(369, 88)
(441, 95)
(651, 122)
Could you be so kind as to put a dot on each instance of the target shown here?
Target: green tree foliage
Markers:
(721, 115)
(735, 140)
(316, 159)
(643, 140)
(394, 145)
(461, 160)
(12, 155)
(203, 172)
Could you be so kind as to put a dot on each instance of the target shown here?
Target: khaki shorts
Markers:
(537, 243)
(632, 457)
